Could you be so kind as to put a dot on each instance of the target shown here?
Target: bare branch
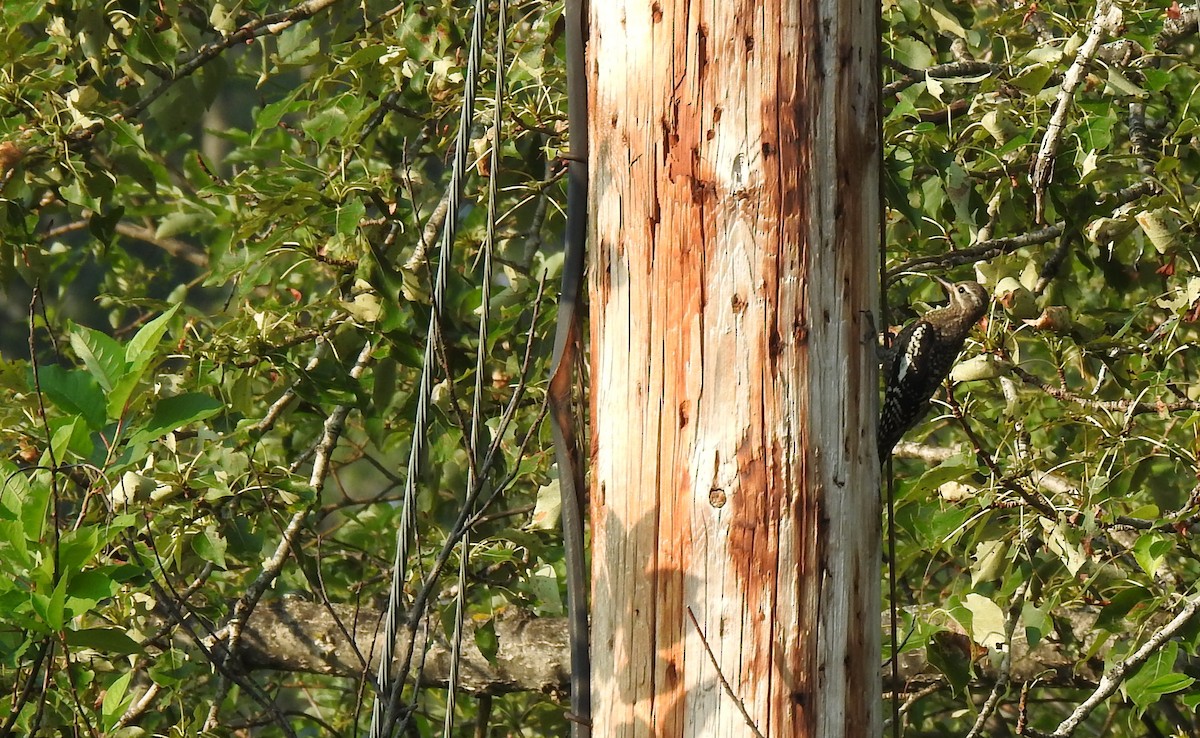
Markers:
(1005, 670)
(991, 248)
(1106, 19)
(941, 71)
(173, 246)
(1113, 678)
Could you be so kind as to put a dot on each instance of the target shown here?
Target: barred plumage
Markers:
(921, 357)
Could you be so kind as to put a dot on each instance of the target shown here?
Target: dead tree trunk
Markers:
(734, 196)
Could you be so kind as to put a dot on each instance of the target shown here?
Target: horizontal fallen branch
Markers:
(296, 635)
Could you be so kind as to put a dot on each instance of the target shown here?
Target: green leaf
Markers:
(1191, 701)
(987, 621)
(103, 356)
(178, 223)
(51, 609)
(169, 668)
(296, 46)
(141, 348)
(77, 547)
(33, 510)
(1156, 677)
(1097, 132)
(105, 640)
(210, 546)
(71, 436)
(990, 559)
(366, 56)
(1119, 84)
(270, 115)
(1150, 551)
(543, 586)
(115, 704)
(172, 413)
(913, 53)
(139, 352)
(14, 488)
(92, 586)
(1112, 615)
(16, 551)
(383, 391)
(949, 653)
(486, 640)
(349, 215)
(945, 21)
(75, 392)
(1032, 79)
(103, 225)
(1037, 623)
(958, 466)
(126, 134)
(326, 125)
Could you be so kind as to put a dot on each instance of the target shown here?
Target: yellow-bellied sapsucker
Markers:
(921, 357)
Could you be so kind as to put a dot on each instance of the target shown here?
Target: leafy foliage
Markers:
(1048, 534)
(223, 217)
(216, 243)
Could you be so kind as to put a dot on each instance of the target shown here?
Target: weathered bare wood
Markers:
(735, 206)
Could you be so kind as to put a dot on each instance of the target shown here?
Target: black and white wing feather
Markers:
(921, 357)
(909, 384)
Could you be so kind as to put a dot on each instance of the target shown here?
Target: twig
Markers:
(27, 689)
(36, 724)
(391, 682)
(941, 71)
(721, 676)
(138, 707)
(173, 246)
(1177, 29)
(1005, 671)
(462, 525)
(920, 694)
(1057, 257)
(269, 25)
(483, 714)
(476, 478)
(1139, 137)
(1125, 407)
(280, 404)
(274, 564)
(1112, 678)
(1031, 498)
(522, 384)
(429, 233)
(979, 252)
(213, 649)
(991, 248)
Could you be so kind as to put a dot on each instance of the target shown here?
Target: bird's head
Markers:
(968, 297)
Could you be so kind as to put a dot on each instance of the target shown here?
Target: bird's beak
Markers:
(948, 286)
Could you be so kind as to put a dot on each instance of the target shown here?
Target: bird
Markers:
(921, 357)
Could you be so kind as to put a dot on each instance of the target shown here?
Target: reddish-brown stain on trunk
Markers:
(728, 239)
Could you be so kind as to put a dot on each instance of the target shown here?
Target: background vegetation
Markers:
(1045, 529)
(218, 255)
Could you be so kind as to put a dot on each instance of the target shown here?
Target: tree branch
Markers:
(1106, 18)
